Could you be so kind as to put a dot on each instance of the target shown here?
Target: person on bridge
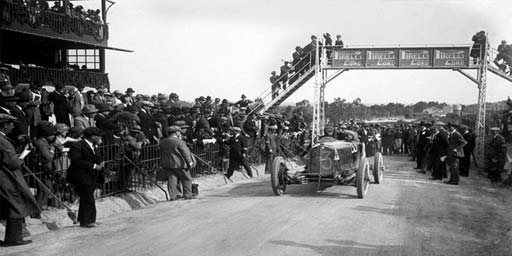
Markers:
(274, 83)
(283, 76)
(456, 144)
(501, 56)
(338, 43)
(495, 155)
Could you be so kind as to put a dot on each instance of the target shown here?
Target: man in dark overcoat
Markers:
(439, 151)
(16, 200)
(495, 155)
(456, 144)
(177, 159)
(238, 152)
(465, 162)
(85, 173)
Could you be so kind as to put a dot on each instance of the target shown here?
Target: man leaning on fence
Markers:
(16, 200)
(177, 160)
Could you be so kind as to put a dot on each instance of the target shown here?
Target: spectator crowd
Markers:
(61, 7)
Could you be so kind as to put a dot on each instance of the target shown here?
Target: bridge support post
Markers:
(480, 118)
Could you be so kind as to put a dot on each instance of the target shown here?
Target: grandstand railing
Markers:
(58, 23)
(41, 75)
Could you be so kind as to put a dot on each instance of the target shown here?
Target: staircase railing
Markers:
(301, 67)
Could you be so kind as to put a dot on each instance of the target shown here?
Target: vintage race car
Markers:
(332, 161)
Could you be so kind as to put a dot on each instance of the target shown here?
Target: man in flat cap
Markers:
(238, 148)
(16, 199)
(283, 76)
(177, 159)
(495, 155)
(85, 172)
(456, 144)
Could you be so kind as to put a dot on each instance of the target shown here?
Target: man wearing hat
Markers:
(456, 144)
(338, 43)
(238, 152)
(296, 58)
(465, 162)
(421, 147)
(20, 134)
(271, 146)
(177, 159)
(147, 121)
(85, 173)
(274, 84)
(86, 119)
(103, 121)
(45, 149)
(283, 76)
(16, 200)
(128, 97)
(61, 107)
(439, 151)
(495, 155)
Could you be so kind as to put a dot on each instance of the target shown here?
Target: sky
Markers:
(225, 48)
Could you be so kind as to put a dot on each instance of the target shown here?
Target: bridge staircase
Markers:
(493, 69)
(302, 73)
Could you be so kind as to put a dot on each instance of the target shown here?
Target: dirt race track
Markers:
(406, 215)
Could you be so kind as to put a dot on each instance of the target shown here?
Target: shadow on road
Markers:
(264, 189)
(347, 247)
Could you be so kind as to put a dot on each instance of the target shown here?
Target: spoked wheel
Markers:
(378, 168)
(363, 178)
(278, 175)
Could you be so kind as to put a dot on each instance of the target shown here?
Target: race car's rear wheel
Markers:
(362, 178)
(278, 175)
(378, 168)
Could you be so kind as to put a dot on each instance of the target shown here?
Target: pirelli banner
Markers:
(406, 58)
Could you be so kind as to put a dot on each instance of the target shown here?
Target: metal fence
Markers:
(128, 173)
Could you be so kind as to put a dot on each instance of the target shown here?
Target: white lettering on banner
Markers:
(386, 63)
(450, 55)
(455, 63)
(352, 63)
(348, 55)
(372, 55)
(414, 55)
(419, 63)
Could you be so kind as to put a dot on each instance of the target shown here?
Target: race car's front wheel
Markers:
(362, 178)
(278, 175)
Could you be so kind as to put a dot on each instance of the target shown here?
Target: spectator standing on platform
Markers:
(274, 83)
(338, 43)
(283, 76)
(86, 119)
(61, 107)
(85, 173)
(16, 200)
(177, 160)
(328, 43)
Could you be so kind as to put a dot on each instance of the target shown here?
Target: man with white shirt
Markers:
(85, 172)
